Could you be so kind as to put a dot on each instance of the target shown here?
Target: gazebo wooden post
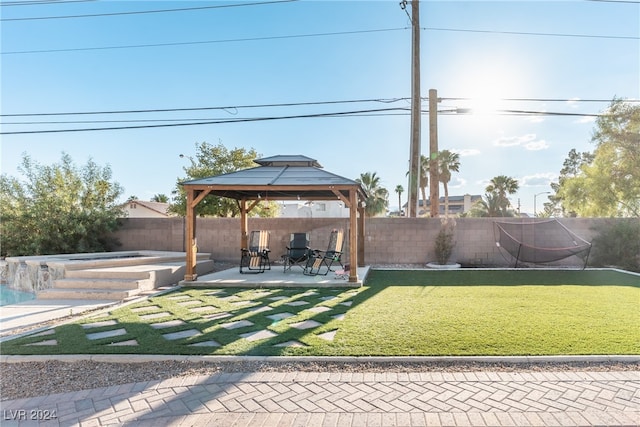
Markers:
(244, 224)
(361, 234)
(191, 246)
(353, 236)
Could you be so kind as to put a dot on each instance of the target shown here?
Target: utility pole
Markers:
(434, 176)
(416, 109)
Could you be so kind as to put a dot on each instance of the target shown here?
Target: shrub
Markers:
(618, 245)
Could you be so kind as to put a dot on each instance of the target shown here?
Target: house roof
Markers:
(154, 206)
(280, 177)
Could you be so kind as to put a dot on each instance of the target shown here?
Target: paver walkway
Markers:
(347, 399)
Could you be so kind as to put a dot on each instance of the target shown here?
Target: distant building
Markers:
(457, 205)
(315, 209)
(144, 209)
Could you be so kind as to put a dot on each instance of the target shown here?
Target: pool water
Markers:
(10, 296)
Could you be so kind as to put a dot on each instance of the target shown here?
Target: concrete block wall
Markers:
(387, 240)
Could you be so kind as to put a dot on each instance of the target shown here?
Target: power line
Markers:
(247, 39)
(233, 107)
(140, 12)
(298, 104)
(355, 113)
(522, 33)
(41, 2)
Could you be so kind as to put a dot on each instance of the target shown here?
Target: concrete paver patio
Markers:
(482, 398)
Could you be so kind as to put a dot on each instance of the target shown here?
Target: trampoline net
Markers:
(540, 241)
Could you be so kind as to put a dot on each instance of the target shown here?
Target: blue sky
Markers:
(562, 55)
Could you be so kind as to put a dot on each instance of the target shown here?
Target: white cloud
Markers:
(586, 119)
(528, 141)
(513, 141)
(538, 179)
(457, 182)
(573, 102)
(540, 144)
(465, 152)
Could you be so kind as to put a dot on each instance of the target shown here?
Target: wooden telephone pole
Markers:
(416, 110)
(434, 176)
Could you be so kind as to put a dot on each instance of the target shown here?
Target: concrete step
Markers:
(87, 294)
(129, 273)
(107, 284)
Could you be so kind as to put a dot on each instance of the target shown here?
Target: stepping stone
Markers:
(45, 333)
(278, 298)
(181, 296)
(230, 297)
(339, 316)
(307, 324)
(290, 344)
(154, 315)
(210, 343)
(296, 303)
(218, 292)
(260, 309)
(329, 298)
(260, 294)
(168, 324)
(279, 316)
(107, 334)
(319, 309)
(202, 309)
(237, 324)
(329, 336)
(99, 324)
(146, 308)
(182, 334)
(307, 294)
(124, 343)
(242, 303)
(47, 342)
(217, 316)
(188, 303)
(260, 335)
(347, 303)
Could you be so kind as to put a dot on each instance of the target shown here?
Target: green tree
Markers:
(570, 168)
(502, 187)
(377, 196)
(212, 160)
(399, 190)
(447, 162)
(58, 209)
(160, 198)
(489, 206)
(424, 177)
(609, 183)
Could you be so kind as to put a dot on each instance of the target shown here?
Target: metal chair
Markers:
(297, 251)
(320, 260)
(255, 258)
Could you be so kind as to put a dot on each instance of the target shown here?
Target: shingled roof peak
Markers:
(288, 160)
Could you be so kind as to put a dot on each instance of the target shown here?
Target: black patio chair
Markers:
(255, 258)
(320, 262)
(297, 251)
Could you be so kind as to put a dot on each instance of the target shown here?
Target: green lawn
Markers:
(396, 313)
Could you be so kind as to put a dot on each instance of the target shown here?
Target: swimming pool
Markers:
(10, 296)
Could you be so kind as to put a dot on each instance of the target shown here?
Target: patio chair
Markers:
(320, 262)
(297, 251)
(255, 258)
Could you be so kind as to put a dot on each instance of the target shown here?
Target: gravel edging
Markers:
(39, 378)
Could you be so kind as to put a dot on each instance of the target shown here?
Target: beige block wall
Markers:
(387, 240)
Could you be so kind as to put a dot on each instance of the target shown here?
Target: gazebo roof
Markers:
(279, 178)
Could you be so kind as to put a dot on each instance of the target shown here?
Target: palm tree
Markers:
(160, 198)
(487, 207)
(424, 178)
(501, 186)
(447, 162)
(399, 190)
(377, 196)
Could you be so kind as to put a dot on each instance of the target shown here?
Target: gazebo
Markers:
(282, 177)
